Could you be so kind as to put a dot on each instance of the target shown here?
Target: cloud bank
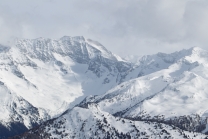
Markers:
(125, 27)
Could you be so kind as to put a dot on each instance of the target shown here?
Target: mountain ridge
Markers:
(51, 77)
(51, 74)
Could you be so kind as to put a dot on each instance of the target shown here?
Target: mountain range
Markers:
(74, 87)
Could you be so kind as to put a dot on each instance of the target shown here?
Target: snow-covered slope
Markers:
(56, 72)
(167, 98)
(180, 90)
(42, 78)
(80, 123)
(53, 75)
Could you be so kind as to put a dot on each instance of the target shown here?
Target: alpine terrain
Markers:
(74, 87)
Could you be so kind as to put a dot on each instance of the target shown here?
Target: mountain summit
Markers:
(74, 87)
(41, 78)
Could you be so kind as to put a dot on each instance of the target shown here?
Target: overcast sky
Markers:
(125, 27)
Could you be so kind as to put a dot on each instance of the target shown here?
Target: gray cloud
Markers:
(125, 27)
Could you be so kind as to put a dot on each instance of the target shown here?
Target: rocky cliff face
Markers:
(41, 78)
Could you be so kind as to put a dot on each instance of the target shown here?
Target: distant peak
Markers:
(77, 38)
(65, 37)
(40, 38)
(195, 48)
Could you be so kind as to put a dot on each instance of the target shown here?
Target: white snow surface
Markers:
(178, 89)
(51, 76)
(54, 75)
(94, 123)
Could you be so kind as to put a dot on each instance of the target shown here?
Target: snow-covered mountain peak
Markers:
(197, 51)
(163, 76)
(196, 54)
(54, 75)
(51, 76)
(77, 38)
(78, 48)
(196, 48)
